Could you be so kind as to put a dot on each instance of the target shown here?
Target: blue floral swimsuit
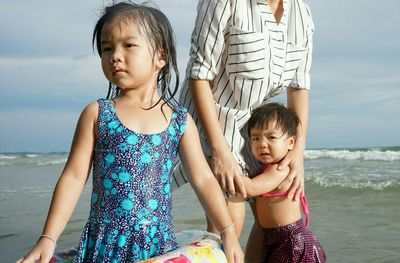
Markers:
(131, 207)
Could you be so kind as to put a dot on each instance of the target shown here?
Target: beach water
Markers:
(353, 196)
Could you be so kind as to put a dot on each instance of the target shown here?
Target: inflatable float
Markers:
(194, 247)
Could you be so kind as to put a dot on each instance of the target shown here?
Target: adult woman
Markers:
(244, 52)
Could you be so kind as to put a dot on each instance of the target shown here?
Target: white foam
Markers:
(371, 155)
(52, 162)
(7, 157)
(367, 184)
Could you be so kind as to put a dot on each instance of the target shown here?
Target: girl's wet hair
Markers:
(284, 118)
(155, 26)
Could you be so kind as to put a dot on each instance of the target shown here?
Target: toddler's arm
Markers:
(69, 186)
(265, 182)
(208, 191)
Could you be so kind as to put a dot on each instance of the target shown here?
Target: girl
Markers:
(132, 141)
(272, 131)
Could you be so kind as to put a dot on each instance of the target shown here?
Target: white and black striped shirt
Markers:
(248, 58)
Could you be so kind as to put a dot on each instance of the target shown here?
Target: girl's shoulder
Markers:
(179, 114)
(92, 109)
(180, 110)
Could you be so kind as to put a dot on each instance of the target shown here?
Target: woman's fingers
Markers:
(240, 186)
(293, 188)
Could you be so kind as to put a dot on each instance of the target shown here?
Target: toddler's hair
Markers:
(285, 118)
(155, 26)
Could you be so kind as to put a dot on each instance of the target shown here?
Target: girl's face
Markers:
(269, 144)
(127, 57)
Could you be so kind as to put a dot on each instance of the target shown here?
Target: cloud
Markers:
(48, 71)
(30, 80)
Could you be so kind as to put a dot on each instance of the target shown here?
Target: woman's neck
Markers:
(276, 7)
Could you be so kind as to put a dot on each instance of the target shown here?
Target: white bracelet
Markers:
(49, 238)
(226, 228)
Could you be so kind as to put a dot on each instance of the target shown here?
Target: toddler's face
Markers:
(269, 144)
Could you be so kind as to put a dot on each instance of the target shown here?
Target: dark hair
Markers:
(285, 118)
(154, 25)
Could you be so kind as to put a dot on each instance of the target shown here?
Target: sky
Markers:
(49, 71)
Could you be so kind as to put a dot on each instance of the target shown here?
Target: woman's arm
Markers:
(208, 191)
(223, 164)
(207, 46)
(298, 100)
(69, 186)
(265, 182)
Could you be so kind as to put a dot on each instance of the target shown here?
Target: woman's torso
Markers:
(259, 59)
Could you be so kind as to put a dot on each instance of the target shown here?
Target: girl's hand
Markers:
(41, 252)
(295, 160)
(228, 172)
(232, 249)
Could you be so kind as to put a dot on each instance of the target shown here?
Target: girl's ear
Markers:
(161, 60)
(292, 140)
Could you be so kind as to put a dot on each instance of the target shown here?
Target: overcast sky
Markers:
(49, 72)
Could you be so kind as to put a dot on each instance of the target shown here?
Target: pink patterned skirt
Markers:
(293, 243)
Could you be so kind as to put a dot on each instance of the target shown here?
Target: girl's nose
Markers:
(116, 57)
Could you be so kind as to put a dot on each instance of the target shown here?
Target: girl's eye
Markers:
(255, 139)
(105, 49)
(130, 45)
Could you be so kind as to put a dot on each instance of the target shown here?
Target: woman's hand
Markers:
(295, 160)
(232, 249)
(227, 172)
(41, 252)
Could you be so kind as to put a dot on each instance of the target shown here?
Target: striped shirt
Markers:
(248, 58)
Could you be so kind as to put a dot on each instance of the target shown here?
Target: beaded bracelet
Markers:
(49, 238)
(226, 228)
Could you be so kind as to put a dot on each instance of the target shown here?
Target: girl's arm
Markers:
(69, 186)
(265, 182)
(208, 191)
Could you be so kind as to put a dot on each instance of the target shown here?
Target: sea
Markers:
(353, 195)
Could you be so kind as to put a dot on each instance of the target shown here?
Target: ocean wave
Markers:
(33, 159)
(367, 184)
(388, 154)
(7, 157)
(52, 162)
(368, 155)
(37, 191)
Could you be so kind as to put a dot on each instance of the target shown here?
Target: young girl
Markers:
(132, 141)
(272, 131)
